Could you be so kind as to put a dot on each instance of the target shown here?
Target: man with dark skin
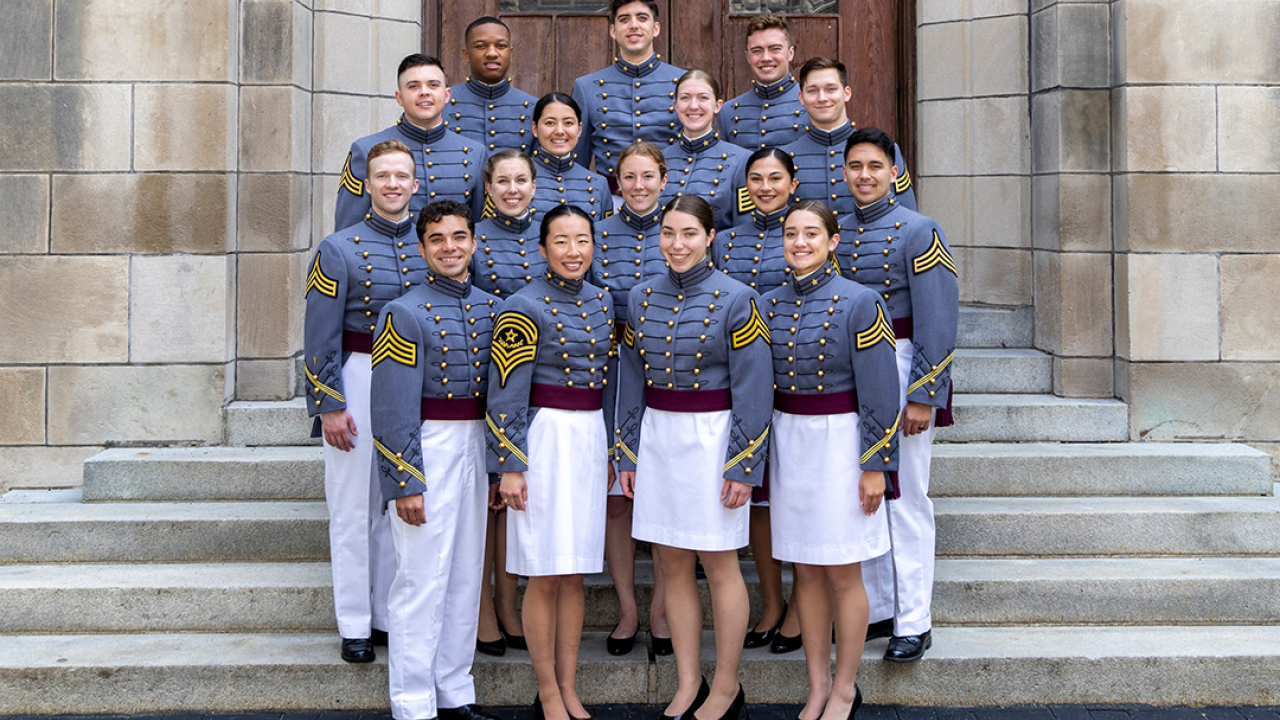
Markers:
(486, 106)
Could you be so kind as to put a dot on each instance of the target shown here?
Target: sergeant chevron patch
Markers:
(349, 181)
(488, 208)
(628, 335)
(936, 255)
(755, 327)
(390, 345)
(317, 280)
(745, 205)
(880, 330)
(903, 183)
(515, 342)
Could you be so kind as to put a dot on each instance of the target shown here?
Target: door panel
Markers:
(532, 37)
(582, 46)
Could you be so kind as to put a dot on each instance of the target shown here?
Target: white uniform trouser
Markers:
(360, 549)
(900, 584)
(435, 598)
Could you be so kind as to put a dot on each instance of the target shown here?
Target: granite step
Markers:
(205, 474)
(1002, 370)
(995, 326)
(972, 666)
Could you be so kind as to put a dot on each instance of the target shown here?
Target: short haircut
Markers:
(617, 5)
(558, 212)
(503, 156)
(772, 152)
(874, 136)
(693, 205)
(819, 208)
(439, 210)
(417, 60)
(760, 23)
(552, 98)
(643, 148)
(386, 147)
(485, 20)
(822, 63)
(702, 75)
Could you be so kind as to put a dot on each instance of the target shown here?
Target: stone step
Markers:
(1109, 469)
(163, 532)
(205, 474)
(269, 422)
(995, 326)
(1036, 418)
(297, 597)
(976, 666)
(1001, 370)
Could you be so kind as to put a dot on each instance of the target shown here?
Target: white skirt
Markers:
(816, 516)
(679, 478)
(561, 530)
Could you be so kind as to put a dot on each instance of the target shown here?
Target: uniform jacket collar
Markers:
(384, 226)
(450, 287)
(827, 138)
(769, 221)
(706, 142)
(514, 224)
(876, 210)
(640, 69)
(489, 92)
(417, 134)
(565, 285)
(776, 90)
(691, 277)
(556, 165)
(815, 280)
(641, 222)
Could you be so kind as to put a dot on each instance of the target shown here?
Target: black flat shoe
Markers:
(661, 645)
(737, 708)
(782, 644)
(619, 646)
(357, 650)
(515, 642)
(378, 637)
(757, 639)
(857, 701)
(909, 648)
(466, 712)
(704, 690)
(879, 629)
(496, 648)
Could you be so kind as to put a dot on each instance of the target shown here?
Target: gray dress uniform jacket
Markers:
(711, 168)
(819, 159)
(626, 251)
(506, 257)
(430, 362)
(833, 352)
(353, 274)
(765, 115)
(903, 256)
(751, 252)
(499, 116)
(563, 181)
(449, 167)
(551, 340)
(697, 338)
(624, 103)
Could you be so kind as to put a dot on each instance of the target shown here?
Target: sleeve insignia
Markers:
(750, 450)
(317, 280)
(744, 202)
(932, 374)
(401, 465)
(888, 435)
(515, 342)
(879, 330)
(903, 183)
(835, 262)
(390, 345)
(629, 335)
(488, 208)
(754, 328)
(936, 255)
(349, 181)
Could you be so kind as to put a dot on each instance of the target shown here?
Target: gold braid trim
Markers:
(888, 435)
(401, 465)
(321, 387)
(503, 442)
(932, 374)
(754, 446)
(627, 451)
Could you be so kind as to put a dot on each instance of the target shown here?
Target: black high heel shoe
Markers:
(737, 709)
(515, 642)
(857, 701)
(661, 645)
(704, 690)
(782, 644)
(496, 648)
(620, 646)
(540, 714)
(757, 639)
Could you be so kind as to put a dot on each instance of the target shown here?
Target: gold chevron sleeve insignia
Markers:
(745, 205)
(317, 280)
(349, 181)
(936, 255)
(903, 183)
(515, 342)
(888, 435)
(749, 452)
(390, 345)
(835, 262)
(401, 465)
(488, 208)
(755, 327)
(932, 375)
(879, 330)
(628, 335)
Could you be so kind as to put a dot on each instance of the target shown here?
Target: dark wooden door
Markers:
(557, 41)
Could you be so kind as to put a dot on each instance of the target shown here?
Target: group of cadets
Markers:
(441, 322)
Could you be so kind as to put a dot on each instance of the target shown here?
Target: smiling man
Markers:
(770, 113)
(632, 99)
(448, 164)
(486, 107)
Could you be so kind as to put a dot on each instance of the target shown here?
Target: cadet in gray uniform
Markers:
(485, 107)
(904, 256)
(770, 113)
(430, 380)
(835, 419)
(692, 431)
(700, 162)
(557, 122)
(507, 256)
(824, 90)
(448, 164)
(751, 252)
(354, 272)
(632, 99)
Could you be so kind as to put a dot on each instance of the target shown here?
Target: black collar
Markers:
(876, 210)
(691, 277)
(706, 142)
(558, 166)
(638, 70)
(450, 287)
(489, 92)
(569, 287)
(776, 90)
(638, 221)
(814, 280)
(827, 138)
(514, 224)
(769, 221)
(417, 134)
(384, 226)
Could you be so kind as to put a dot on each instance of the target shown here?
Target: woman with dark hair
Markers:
(549, 437)
(702, 163)
(834, 440)
(557, 124)
(505, 259)
(692, 426)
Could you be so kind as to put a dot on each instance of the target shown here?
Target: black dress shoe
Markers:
(378, 637)
(496, 648)
(782, 644)
(466, 712)
(757, 639)
(704, 690)
(882, 628)
(857, 701)
(736, 711)
(515, 642)
(619, 646)
(661, 645)
(908, 648)
(357, 650)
